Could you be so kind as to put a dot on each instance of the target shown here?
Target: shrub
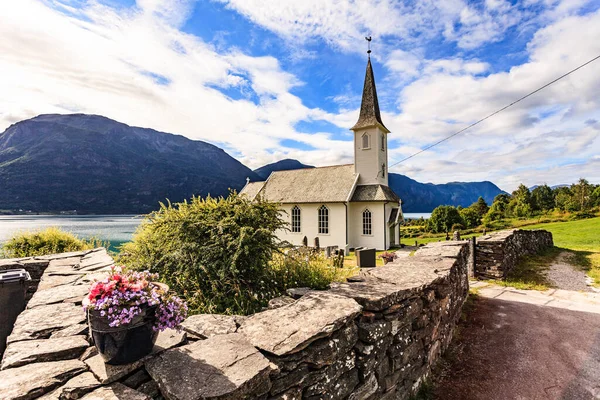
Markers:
(213, 252)
(47, 241)
(442, 219)
(222, 255)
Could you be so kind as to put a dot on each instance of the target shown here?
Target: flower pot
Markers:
(126, 343)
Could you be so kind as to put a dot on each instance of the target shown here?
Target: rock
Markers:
(291, 394)
(296, 293)
(88, 353)
(137, 378)
(372, 294)
(207, 325)
(150, 389)
(107, 373)
(366, 390)
(33, 380)
(73, 330)
(97, 260)
(290, 329)
(375, 331)
(116, 391)
(40, 322)
(57, 294)
(280, 302)
(30, 351)
(223, 366)
(74, 388)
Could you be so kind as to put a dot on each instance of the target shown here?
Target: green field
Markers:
(582, 235)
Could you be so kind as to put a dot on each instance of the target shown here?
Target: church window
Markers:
(323, 220)
(382, 142)
(366, 222)
(383, 170)
(365, 141)
(296, 219)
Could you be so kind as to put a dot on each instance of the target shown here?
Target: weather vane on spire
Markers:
(368, 39)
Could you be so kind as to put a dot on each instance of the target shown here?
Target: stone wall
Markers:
(499, 252)
(375, 337)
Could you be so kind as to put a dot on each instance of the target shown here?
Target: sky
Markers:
(273, 79)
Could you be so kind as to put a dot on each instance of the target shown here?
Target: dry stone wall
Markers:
(499, 252)
(375, 337)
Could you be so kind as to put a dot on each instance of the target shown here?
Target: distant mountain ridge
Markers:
(93, 164)
(416, 196)
(96, 165)
(283, 165)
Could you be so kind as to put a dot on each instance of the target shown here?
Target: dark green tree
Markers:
(470, 217)
(480, 206)
(543, 198)
(498, 209)
(442, 219)
(520, 203)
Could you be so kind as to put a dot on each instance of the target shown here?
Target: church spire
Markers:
(369, 108)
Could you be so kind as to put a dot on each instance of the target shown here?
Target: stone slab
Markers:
(40, 322)
(116, 391)
(106, 373)
(57, 294)
(220, 367)
(291, 328)
(74, 388)
(73, 330)
(30, 351)
(34, 380)
(207, 325)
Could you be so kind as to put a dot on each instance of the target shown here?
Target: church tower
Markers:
(370, 137)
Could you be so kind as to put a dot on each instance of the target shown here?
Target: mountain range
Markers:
(96, 165)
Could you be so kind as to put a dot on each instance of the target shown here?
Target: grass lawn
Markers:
(581, 237)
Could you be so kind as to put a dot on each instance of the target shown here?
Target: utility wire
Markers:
(496, 112)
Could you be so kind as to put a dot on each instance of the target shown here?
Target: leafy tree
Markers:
(542, 198)
(595, 197)
(581, 192)
(471, 216)
(213, 252)
(563, 198)
(442, 218)
(498, 209)
(520, 204)
(480, 206)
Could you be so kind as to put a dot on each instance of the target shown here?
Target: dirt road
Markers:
(521, 345)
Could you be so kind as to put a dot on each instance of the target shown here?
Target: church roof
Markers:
(309, 185)
(252, 188)
(369, 107)
(374, 193)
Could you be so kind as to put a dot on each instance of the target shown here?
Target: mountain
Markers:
(93, 164)
(416, 196)
(424, 197)
(283, 165)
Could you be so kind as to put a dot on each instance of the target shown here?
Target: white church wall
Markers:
(368, 161)
(309, 224)
(378, 223)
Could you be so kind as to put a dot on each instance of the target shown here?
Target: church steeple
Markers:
(370, 136)
(370, 115)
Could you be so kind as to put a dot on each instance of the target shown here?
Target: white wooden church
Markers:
(349, 205)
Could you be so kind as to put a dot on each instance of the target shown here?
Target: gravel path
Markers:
(566, 276)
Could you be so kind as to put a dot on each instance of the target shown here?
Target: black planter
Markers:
(127, 343)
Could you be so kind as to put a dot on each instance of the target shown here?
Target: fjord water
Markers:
(115, 229)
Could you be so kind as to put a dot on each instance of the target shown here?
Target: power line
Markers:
(496, 112)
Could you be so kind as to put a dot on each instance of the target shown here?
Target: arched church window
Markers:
(367, 222)
(296, 228)
(383, 170)
(323, 220)
(382, 142)
(365, 141)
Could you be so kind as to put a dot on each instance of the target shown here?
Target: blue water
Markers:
(115, 229)
(417, 215)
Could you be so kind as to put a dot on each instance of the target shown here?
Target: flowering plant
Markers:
(388, 257)
(123, 295)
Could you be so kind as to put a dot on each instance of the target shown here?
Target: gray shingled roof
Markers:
(252, 188)
(309, 185)
(374, 193)
(369, 107)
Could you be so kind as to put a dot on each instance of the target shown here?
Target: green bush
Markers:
(442, 219)
(221, 255)
(47, 241)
